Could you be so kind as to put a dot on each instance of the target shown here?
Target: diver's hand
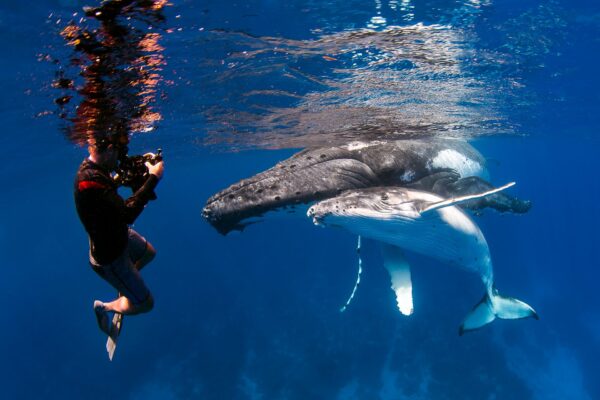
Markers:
(156, 169)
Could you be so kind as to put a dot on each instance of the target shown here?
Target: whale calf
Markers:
(447, 167)
(424, 223)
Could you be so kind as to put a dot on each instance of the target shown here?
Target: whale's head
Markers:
(247, 201)
(304, 178)
(356, 208)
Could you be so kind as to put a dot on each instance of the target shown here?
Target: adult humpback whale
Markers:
(405, 219)
(446, 167)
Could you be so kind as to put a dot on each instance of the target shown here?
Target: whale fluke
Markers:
(495, 306)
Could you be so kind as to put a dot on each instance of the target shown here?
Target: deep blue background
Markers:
(255, 315)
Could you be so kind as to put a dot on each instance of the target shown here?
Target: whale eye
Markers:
(277, 198)
(323, 156)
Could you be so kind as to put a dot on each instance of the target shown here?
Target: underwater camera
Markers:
(132, 171)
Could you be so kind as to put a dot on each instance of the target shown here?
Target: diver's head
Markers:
(108, 150)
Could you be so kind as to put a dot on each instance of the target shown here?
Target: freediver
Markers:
(117, 252)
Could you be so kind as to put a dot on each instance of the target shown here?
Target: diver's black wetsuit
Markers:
(104, 214)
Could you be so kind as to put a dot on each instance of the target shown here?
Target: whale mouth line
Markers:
(319, 221)
(317, 218)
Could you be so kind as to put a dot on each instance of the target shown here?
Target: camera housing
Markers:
(132, 171)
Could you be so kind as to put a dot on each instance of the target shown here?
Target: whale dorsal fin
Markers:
(458, 200)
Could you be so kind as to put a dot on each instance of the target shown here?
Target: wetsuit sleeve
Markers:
(134, 205)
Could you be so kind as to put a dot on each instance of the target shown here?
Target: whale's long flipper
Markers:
(492, 306)
(399, 269)
(358, 248)
(448, 183)
(462, 199)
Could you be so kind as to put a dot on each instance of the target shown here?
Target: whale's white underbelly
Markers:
(446, 234)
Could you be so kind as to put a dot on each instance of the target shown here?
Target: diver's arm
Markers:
(135, 204)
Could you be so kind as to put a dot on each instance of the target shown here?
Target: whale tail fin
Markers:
(495, 306)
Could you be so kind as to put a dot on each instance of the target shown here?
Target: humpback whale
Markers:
(425, 223)
(447, 167)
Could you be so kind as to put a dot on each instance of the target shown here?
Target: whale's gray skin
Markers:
(446, 167)
(427, 224)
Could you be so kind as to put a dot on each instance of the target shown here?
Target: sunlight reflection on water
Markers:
(400, 81)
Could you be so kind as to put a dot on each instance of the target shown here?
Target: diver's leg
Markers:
(148, 256)
(125, 306)
(140, 250)
(134, 296)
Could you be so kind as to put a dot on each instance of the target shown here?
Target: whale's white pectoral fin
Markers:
(496, 306)
(358, 248)
(399, 269)
(458, 200)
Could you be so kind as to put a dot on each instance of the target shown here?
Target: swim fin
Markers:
(115, 330)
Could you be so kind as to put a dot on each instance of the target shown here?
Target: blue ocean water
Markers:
(255, 315)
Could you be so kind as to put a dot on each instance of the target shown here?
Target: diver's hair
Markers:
(101, 142)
